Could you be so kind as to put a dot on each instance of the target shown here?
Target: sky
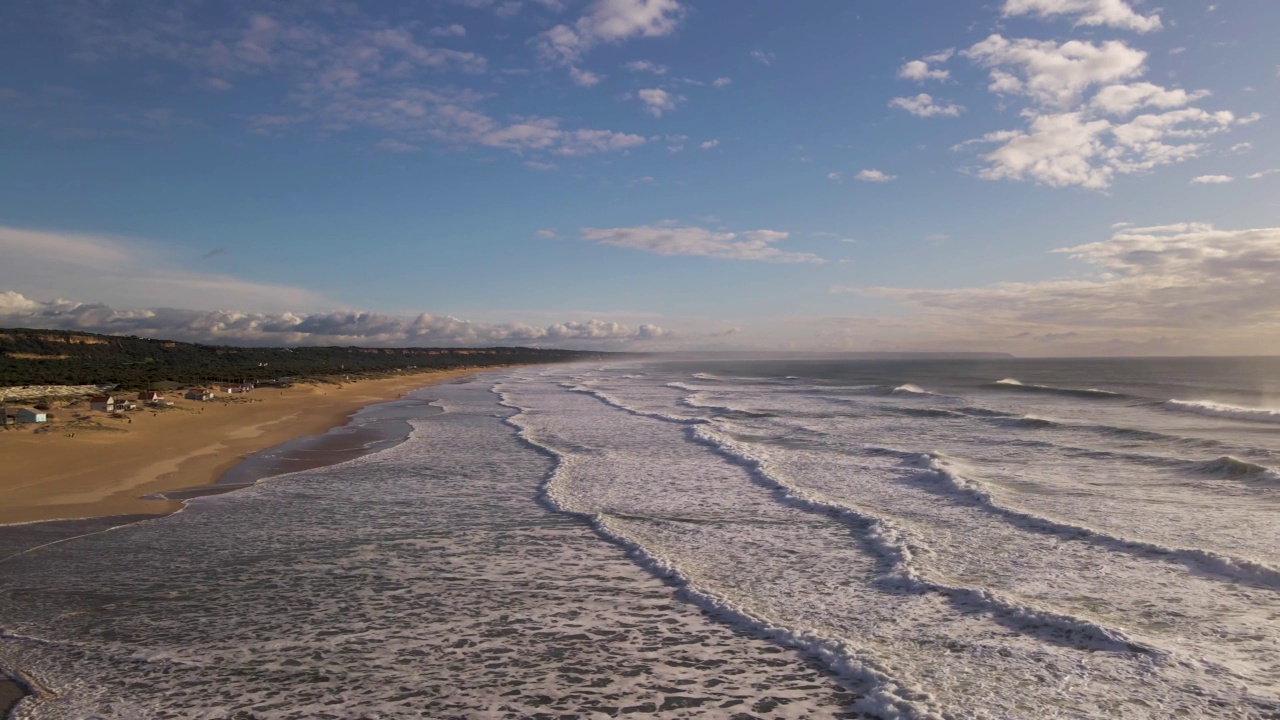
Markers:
(1039, 177)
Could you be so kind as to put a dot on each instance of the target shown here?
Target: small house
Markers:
(26, 415)
(102, 403)
(235, 388)
(150, 396)
(199, 394)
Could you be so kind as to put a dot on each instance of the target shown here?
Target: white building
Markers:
(102, 403)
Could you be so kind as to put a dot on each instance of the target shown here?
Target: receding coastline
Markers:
(84, 496)
(88, 474)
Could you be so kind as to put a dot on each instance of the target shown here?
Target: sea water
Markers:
(800, 538)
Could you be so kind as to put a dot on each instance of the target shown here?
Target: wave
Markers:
(1236, 469)
(1012, 384)
(925, 412)
(945, 474)
(896, 549)
(883, 695)
(912, 390)
(612, 401)
(698, 401)
(1235, 412)
(1044, 423)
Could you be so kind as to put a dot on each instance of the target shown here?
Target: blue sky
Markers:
(647, 174)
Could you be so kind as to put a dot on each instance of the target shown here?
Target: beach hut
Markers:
(235, 388)
(199, 394)
(102, 403)
(149, 396)
(26, 415)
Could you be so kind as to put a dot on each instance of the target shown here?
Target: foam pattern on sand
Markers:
(424, 581)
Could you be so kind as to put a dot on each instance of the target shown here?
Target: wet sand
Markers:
(10, 693)
(128, 466)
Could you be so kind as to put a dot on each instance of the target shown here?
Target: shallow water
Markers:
(801, 539)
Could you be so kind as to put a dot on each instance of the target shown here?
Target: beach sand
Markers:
(106, 472)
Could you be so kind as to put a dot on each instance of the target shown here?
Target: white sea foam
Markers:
(1222, 410)
(434, 587)
(1054, 556)
(1086, 392)
(951, 474)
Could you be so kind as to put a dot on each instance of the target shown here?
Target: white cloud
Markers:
(1071, 137)
(608, 22)
(455, 119)
(701, 242)
(835, 176)
(1053, 73)
(1264, 173)
(763, 57)
(1124, 99)
(1192, 285)
(1241, 148)
(721, 82)
(646, 66)
(919, 71)
(923, 105)
(709, 144)
(1074, 149)
(454, 30)
(584, 78)
(657, 101)
(331, 328)
(43, 263)
(546, 234)
(873, 175)
(1111, 13)
(1211, 179)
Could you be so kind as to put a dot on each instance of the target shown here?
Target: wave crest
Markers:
(1235, 412)
(1012, 384)
(1237, 469)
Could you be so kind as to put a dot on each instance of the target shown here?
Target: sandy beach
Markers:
(64, 474)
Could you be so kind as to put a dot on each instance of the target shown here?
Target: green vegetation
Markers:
(56, 357)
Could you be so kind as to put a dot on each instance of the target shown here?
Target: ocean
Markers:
(701, 538)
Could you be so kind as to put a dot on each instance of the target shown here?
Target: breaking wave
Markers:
(1236, 469)
(1012, 384)
(1206, 407)
(945, 472)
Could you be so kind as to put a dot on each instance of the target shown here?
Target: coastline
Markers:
(53, 476)
(82, 498)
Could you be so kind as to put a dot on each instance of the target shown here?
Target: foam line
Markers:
(1234, 412)
(880, 695)
(897, 551)
(941, 470)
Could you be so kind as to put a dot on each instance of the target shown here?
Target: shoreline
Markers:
(125, 470)
(166, 492)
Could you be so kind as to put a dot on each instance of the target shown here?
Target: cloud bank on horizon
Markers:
(1174, 288)
(698, 166)
(329, 328)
